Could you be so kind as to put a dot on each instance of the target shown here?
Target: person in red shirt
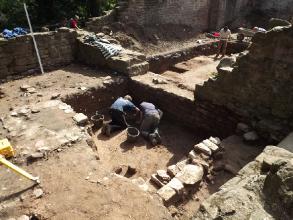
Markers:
(74, 22)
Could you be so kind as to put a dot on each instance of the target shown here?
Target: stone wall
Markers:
(18, 55)
(126, 62)
(259, 86)
(261, 190)
(278, 8)
(95, 24)
(200, 14)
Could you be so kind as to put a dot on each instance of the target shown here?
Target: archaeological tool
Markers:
(6, 150)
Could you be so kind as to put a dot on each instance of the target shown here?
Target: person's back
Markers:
(122, 105)
(148, 108)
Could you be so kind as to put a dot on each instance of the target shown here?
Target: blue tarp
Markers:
(7, 34)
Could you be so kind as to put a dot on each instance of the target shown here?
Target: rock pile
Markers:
(188, 172)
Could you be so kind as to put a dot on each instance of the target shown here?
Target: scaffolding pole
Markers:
(34, 40)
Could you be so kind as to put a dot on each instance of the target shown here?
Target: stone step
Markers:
(138, 69)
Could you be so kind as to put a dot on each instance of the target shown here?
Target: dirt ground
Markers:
(192, 72)
(77, 179)
(154, 39)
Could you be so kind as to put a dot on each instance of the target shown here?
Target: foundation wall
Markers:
(259, 87)
(18, 55)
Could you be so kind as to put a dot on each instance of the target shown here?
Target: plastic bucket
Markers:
(97, 120)
(132, 134)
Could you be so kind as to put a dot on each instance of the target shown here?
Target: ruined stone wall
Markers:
(260, 85)
(200, 14)
(18, 55)
(95, 24)
(278, 8)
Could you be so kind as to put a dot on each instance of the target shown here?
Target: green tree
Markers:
(43, 12)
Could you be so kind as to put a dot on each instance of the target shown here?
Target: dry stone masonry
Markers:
(188, 172)
(258, 86)
(18, 55)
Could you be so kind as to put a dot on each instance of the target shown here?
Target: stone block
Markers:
(201, 147)
(215, 140)
(162, 174)
(192, 155)
(176, 184)
(166, 193)
(181, 164)
(250, 136)
(191, 174)
(213, 147)
(172, 170)
(80, 118)
(156, 180)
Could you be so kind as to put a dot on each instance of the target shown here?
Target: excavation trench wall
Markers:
(97, 98)
(200, 116)
(162, 62)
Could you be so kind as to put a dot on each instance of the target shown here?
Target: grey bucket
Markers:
(132, 134)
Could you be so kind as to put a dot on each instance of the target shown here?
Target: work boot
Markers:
(153, 139)
(158, 138)
(108, 130)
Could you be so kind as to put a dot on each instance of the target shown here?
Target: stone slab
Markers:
(201, 147)
(191, 174)
(166, 193)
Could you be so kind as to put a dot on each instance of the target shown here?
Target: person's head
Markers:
(76, 17)
(255, 29)
(226, 28)
(128, 97)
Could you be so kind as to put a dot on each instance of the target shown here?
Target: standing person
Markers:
(121, 107)
(150, 117)
(74, 22)
(225, 35)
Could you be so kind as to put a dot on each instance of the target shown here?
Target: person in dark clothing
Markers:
(150, 117)
(119, 109)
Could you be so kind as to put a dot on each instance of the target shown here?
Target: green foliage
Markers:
(45, 12)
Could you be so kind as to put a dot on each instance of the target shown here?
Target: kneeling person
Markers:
(121, 107)
(150, 117)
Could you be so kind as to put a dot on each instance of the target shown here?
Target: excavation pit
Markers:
(178, 139)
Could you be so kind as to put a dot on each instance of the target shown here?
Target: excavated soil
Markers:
(77, 178)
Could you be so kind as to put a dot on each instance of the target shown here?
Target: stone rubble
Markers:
(201, 147)
(80, 118)
(213, 147)
(162, 174)
(38, 193)
(190, 175)
(23, 217)
(166, 193)
(250, 137)
(176, 184)
(189, 171)
(172, 170)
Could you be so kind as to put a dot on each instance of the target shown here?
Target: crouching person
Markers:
(119, 109)
(150, 117)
